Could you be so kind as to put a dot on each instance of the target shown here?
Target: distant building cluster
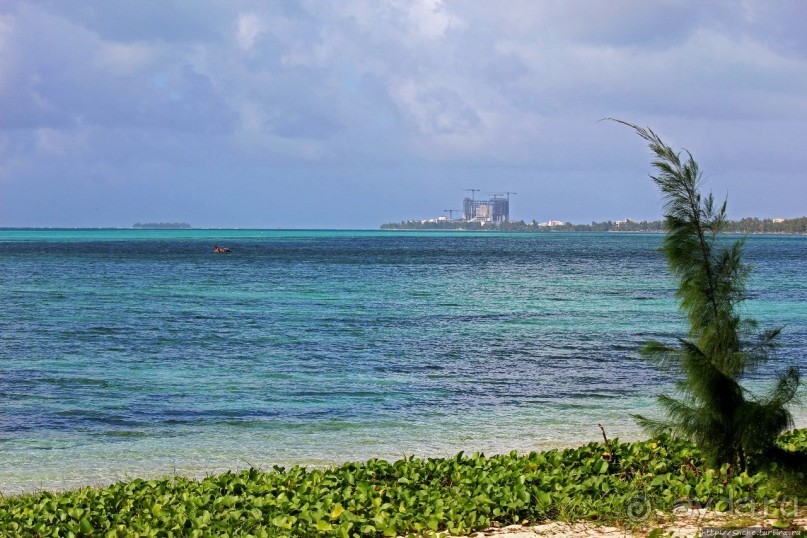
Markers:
(494, 210)
(492, 214)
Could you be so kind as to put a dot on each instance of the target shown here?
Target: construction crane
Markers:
(473, 203)
(497, 194)
(451, 213)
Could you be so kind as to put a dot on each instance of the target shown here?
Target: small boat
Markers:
(218, 249)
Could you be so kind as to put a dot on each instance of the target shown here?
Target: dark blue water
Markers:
(141, 352)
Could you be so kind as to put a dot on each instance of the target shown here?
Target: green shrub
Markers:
(617, 484)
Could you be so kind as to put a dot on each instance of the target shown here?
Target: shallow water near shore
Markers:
(130, 353)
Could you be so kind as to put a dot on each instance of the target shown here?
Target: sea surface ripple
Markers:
(141, 353)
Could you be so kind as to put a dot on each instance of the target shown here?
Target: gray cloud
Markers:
(363, 96)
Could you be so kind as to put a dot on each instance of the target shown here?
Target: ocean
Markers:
(141, 353)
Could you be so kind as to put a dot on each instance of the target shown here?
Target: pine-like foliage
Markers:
(713, 409)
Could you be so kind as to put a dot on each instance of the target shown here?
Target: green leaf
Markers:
(85, 526)
(324, 526)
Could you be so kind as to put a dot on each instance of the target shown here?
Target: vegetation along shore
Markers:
(631, 485)
(749, 225)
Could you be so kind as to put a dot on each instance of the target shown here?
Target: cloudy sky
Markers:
(351, 113)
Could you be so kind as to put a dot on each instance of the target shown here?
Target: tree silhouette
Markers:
(712, 408)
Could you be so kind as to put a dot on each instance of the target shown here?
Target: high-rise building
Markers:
(501, 209)
(468, 209)
(494, 210)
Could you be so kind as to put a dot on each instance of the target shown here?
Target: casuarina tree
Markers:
(712, 406)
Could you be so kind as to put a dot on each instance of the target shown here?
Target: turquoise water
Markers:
(141, 353)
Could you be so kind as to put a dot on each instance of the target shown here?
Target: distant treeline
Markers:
(163, 225)
(747, 225)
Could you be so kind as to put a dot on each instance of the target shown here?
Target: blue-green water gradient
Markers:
(141, 353)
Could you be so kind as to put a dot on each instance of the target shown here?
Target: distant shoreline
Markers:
(747, 226)
(494, 230)
(162, 226)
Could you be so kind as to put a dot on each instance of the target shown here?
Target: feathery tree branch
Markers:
(716, 411)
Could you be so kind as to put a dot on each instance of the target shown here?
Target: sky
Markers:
(353, 113)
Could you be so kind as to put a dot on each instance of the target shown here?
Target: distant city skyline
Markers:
(303, 114)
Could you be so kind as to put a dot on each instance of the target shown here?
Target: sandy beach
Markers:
(688, 524)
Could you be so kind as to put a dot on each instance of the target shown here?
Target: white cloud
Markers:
(435, 110)
(250, 29)
(58, 143)
(6, 56)
(123, 58)
(251, 117)
(430, 18)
